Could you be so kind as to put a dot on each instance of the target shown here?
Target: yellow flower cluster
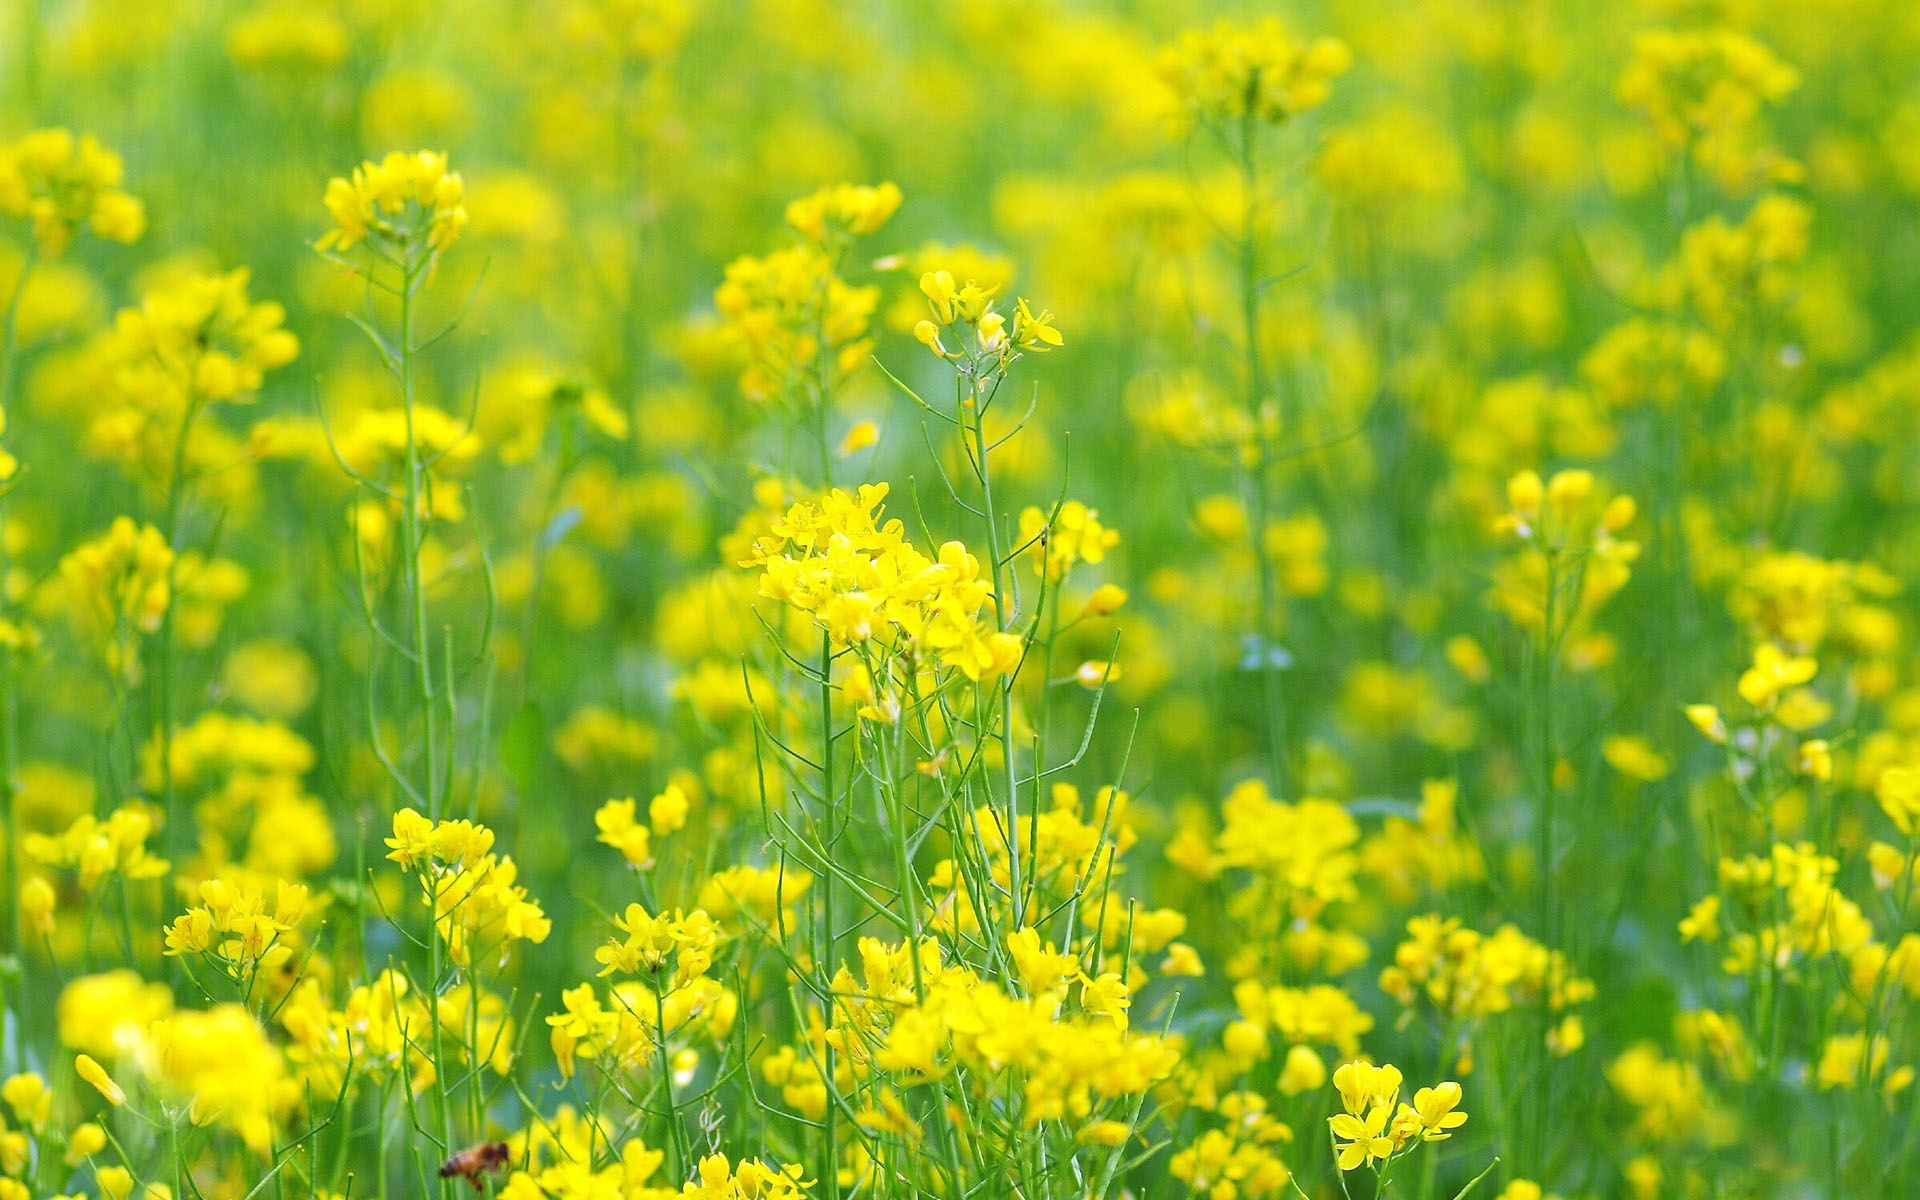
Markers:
(1572, 561)
(791, 314)
(218, 1065)
(935, 841)
(862, 582)
(192, 342)
(1703, 90)
(1303, 849)
(1407, 858)
(620, 829)
(375, 444)
(236, 930)
(59, 182)
(97, 850)
(1670, 1098)
(1258, 71)
(635, 31)
(121, 580)
(688, 939)
(1320, 1014)
(476, 901)
(380, 1026)
(990, 347)
(632, 1174)
(404, 202)
(242, 767)
(923, 1019)
(625, 1035)
(793, 318)
(1727, 274)
(280, 37)
(1239, 1161)
(1802, 601)
(1394, 158)
(1070, 535)
(1788, 911)
(1377, 1127)
(1461, 976)
(844, 210)
(202, 334)
(1643, 360)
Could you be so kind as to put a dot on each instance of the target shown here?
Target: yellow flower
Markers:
(1437, 1107)
(1702, 922)
(667, 812)
(1106, 996)
(1035, 333)
(1814, 759)
(1773, 672)
(29, 1097)
(1303, 1071)
(619, 829)
(116, 1183)
(1182, 959)
(86, 1140)
(1362, 1084)
(1899, 794)
(862, 435)
(1635, 758)
(1366, 1140)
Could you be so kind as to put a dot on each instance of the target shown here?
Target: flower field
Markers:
(1020, 600)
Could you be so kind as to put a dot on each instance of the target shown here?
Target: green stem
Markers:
(1004, 687)
(410, 526)
(1548, 765)
(432, 1000)
(827, 913)
(542, 548)
(1258, 471)
(164, 718)
(677, 1136)
(9, 667)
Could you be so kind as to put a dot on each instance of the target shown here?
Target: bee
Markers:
(475, 1161)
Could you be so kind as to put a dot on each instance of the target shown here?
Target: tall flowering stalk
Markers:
(1571, 561)
(1237, 85)
(56, 185)
(187, 348)
(392, 222)
(803, 328)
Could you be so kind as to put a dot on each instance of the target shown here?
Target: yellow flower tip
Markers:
(87, 1140)
(1815, 760)
(1707, 719)
(1524, 493)
(992, 330)
(1619, 513)
(1568, 489)
(928, 335)
(37, 903)
(95, 1074)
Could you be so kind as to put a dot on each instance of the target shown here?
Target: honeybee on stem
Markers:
(474, 1161)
